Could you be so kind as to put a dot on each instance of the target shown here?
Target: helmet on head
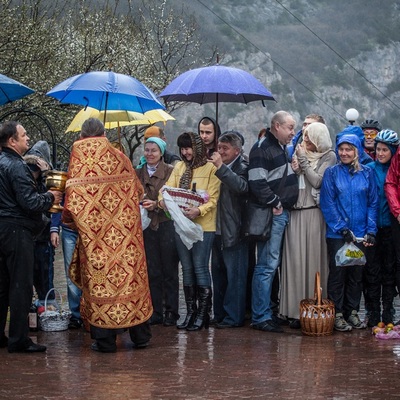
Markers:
(371, 124)
(388, 137)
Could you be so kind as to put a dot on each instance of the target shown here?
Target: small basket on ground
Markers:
(184, 198)
(317, 315)
(54, 320)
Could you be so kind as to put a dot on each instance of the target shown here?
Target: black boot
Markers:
(203, 312)
(190, 299)
(388, 295)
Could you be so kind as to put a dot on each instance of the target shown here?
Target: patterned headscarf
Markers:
(199, 157)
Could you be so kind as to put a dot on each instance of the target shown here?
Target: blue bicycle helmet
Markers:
(387, 136)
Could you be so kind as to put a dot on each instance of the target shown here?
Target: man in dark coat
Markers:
(230, 252)
(21, 208)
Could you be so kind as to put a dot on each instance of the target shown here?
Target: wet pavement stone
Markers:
(239, 363)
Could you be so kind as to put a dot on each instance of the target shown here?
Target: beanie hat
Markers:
(152, 131)
(159, 142)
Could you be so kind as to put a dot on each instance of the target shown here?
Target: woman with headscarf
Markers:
(305, 250)
(159, 236)
(194, 172)
(349, 203)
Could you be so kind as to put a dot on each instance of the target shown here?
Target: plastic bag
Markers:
(188, 231)
(145, 217)
(349, 254)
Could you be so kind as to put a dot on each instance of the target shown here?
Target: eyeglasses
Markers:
(370, 133)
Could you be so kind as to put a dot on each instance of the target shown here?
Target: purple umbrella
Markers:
(216, 84)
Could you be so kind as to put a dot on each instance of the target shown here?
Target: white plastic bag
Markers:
(188, 231)
(349, 254)
(144, 215)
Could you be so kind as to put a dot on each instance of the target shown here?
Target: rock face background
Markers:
(314, 56)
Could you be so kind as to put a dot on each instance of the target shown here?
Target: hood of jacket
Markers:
(352, 130)
(217, 130)
(42, 150)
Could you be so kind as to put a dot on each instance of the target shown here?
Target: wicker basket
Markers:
(317, 316)
(54, 320)
(185, 198)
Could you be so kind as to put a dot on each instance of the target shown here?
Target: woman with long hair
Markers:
(349, 203)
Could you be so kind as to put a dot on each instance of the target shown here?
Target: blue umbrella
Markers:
(216, 84)
(106, 90)
(11, 90)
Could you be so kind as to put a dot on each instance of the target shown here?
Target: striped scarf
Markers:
(199, 159)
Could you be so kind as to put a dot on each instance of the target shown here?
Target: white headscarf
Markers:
(318, 134)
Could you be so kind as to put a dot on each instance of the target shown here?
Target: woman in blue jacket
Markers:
(349, 203)
(381, 270)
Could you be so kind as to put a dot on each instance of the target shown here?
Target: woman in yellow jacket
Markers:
(195, 172)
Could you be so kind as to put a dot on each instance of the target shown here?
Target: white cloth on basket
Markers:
(188, 231)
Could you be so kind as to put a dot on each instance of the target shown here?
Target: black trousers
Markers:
(106, 338)
(344, 283)
(16, 282)
(380, 272)
(396, 242)
(162, 266)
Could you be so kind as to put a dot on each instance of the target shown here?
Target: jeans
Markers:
(268, 260)
(43, 271)
(16, 282)
(344, 283)
(68, 240)
(195, 269)
(229, 274)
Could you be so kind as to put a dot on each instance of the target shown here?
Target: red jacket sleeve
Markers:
(392, 185)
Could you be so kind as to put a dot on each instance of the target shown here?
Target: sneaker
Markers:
(340, 324)
(268, 326)
(355, 321)
(295, 324)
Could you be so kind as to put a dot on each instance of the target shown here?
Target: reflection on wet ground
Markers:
(211, 364)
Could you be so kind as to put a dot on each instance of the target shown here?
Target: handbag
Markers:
(258, 218)
(258, 222)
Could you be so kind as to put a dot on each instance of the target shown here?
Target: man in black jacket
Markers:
(230, 253)
(272, 183)
(21, 208)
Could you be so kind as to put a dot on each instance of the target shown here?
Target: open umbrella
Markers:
(11, 90)
(118, 118)
(216, 84)
(106, 90)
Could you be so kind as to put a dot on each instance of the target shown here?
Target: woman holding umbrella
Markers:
(194, 172)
